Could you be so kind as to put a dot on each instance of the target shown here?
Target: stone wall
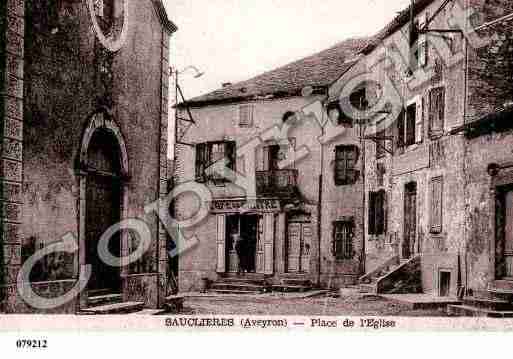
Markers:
(217, 123)
(490, 71)
(12, 31)
(68, 76)
(439, 155)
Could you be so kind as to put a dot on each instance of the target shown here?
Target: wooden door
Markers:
(103, 210)
(298, 247)
(260, 255)
(410, 220)
(248, 230)
(508, 235)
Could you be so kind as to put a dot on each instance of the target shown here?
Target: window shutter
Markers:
(246, 115)
(259, 159)
(372, 213)
(400, 129)
(423, 43)
(436, 204)
(411, 115)
(380, 212)
(441, 108)
(385, 210)
(231, 156)
(419, 121)
(200, 161)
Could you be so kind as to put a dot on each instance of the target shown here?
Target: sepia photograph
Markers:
(237, 164)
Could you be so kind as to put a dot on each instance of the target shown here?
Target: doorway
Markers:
(103, 209)
(504, 233)
(410, 220)
(299, 236)
(242, 227)
(444, 283)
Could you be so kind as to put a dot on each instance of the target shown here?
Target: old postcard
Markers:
(234, 165)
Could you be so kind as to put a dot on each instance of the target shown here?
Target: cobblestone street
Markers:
(280, 305)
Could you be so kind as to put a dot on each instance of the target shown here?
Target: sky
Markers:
(234, 40)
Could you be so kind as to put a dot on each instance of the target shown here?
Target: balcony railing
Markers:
(276, 183)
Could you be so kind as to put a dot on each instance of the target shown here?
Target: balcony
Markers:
(276, 183)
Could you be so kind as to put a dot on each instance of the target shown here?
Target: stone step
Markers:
(117, 308)
(241, 279)
(248, 287)
(103, 299)
(174, 303)
(291, 288)
(227, 291)
(368, 288)
(470, 311)
(487, 303)
(98, 292)
(297, 282)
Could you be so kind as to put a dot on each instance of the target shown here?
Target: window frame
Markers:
(346, 243)
(350, 173)
(381, 144)
(437, 115)
(250, 115)
(206, 154)
(436, 216)
(342, 119)
(377, 213)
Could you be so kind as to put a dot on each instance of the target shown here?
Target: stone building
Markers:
(437, 204)
(302, 213)
(84, 144)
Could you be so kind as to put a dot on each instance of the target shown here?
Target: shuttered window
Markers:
(410, 122)
(436, 205)
(209, 153)
(377, 213)
(346, 158)
(436, 110)
(246, 116)
(381, 144)
(343, 232)
(400, 130)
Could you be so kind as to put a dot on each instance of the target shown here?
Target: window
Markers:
(410, 125)
(419, 45)
(246, 116)
(359, 99)
(436, 110)
(343, 232)
(436, 205)
(207, 154)
(411, 114)
(377, 212)
(346, 158)
(381, 144)
(337, 116)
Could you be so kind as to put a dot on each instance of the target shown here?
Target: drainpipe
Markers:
(364, 237)
(319, 204)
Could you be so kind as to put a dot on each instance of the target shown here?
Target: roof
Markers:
(399, 21)
(162, 14)
(318, 71)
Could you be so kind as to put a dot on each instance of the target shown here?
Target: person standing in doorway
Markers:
(241, 248)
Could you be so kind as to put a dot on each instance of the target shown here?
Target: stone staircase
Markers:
(104, 303)
(496, 302)
(248, 283)
(293, 283)
(395, 276)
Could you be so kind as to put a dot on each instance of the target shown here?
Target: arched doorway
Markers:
(103, 173)
(103, 209)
